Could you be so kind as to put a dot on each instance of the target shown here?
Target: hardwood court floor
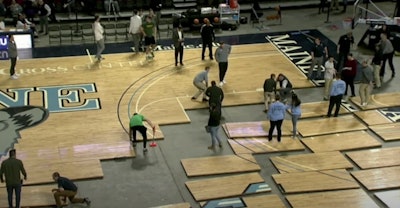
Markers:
(122, 84)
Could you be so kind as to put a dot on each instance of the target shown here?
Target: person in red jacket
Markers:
(349, 72)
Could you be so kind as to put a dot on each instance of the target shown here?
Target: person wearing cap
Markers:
(178, 39)
(221, 56)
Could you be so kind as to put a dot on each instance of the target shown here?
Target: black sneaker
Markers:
(145, 150)
(87, 201)
(205, 100)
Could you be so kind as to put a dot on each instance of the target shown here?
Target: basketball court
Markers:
(85, 106)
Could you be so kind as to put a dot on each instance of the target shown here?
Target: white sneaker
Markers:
(221, 84)
(224, 81)
(14, 76)
(364, 104)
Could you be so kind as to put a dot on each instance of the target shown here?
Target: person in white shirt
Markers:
(330, 73)
(134, 29)
(99, 37)
(25, 24)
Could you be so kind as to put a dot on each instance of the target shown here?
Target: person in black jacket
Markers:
(215, 95)
(285, 87)
(207, 37)
(213, 125)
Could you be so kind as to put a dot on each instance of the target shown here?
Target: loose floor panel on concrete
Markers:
(341, 141)
(325, 180)
(311, 162)
(376, 158)
(254, 129)
(372, 117)
(320, 126)
(316, 109)
(379, 100)
(354, 198)
(262, 145)
(379, 178)
(390, 198)
(218, 165)
(227, 186)
(388, 132)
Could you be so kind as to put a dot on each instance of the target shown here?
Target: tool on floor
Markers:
(153, 143)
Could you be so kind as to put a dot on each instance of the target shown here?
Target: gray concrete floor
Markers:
(158, 178)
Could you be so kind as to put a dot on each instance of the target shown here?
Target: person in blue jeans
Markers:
(214, 124)
(276, 114)
(295, 109)
(12, 168)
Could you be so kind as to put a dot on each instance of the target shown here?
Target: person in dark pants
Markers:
(44, 13)
(345, 43)
(318, 53)
(12, 54)
(221, 56)
(269, 91)
(178, 39)
(387, 54)
(12, 168)
(66, 188)
(321, 7)
(136, 124)
(276, 114)
(336, 95)
(215, 95)
(349, 73)
(207, 37)
(285, 87)
(214, 125)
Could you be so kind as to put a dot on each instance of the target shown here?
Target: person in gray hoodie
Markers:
(12, 54)
(366, 83)
(221, 56)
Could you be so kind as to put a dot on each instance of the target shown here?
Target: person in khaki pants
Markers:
(66, 188)
(366, 82)
(330, 72)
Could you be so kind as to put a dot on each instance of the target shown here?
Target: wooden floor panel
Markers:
(356, 198)
(313, 127)
(379, 100)
(262, 145)
(379, 178)
(310, 162)
(254, 129)
(316, 109)
(326, 180)
(390, 198)
(222, 187)
(376, 158)
(32, 196)
(372, 117)
(341, 141)
(263, 201)
(218, 165)
(388, 132)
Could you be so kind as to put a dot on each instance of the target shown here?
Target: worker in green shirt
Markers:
(136, 124)
(149, 31)
(12, 168)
